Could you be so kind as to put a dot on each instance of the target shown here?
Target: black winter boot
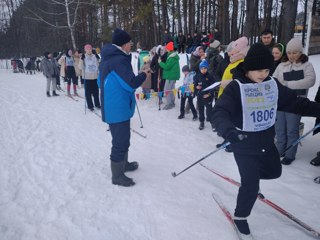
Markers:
(201, 126)
(54, 94)
(48, 94)
(242, 228)
(118, 177)
(287, 161)
(181, 116)
(213, 127)
(130, 166)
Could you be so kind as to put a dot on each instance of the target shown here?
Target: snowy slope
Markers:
(55, 179)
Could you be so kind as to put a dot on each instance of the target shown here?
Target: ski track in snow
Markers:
(55, 180)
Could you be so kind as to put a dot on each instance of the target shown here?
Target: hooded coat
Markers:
(171, 68)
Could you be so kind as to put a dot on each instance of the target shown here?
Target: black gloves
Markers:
(234, 136)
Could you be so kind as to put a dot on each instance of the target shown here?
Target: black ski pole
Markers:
(174, 174)
(139, 115)
(85, 100)
(300, 139)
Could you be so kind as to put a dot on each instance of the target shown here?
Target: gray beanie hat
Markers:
(294, 45)
(215, 44)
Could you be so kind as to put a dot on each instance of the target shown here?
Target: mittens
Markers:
(234, 136)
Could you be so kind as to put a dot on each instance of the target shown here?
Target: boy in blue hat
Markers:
(201, 81)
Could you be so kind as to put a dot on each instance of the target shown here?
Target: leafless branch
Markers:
(51, 13)
(75, 14)
(57, 2)
(39, 18)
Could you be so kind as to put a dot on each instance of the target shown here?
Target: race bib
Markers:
(69, 61)
(259, 103)
(91, 64)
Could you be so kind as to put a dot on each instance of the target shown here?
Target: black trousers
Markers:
(190, 101)
(71, 76)
(252, 168)
(58, 80)
(91, 89)
(154, 81)
(181, 48)
(120, 133)
(205, 103)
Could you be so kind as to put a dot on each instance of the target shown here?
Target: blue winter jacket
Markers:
(118, 84)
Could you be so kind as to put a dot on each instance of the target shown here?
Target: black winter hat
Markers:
(120, 37)
(45, 54)
(185, 68)
(258, 57)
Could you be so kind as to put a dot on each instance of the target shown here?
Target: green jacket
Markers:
(171, 68)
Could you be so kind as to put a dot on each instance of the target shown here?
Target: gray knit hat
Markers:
(215, 44)
(294, 45)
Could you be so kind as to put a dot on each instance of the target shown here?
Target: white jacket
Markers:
(309, 75)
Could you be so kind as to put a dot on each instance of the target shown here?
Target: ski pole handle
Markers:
(174, 174)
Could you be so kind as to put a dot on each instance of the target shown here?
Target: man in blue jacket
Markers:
(118, 84)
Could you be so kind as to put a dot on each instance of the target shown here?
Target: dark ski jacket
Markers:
(118, 83)
(205, 80)
(227, 114)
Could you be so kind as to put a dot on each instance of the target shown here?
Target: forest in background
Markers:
(30, 27)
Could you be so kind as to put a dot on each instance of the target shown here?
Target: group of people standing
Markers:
(187, 43)
(71, 66)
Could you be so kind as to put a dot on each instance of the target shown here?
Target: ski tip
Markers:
(173, 174)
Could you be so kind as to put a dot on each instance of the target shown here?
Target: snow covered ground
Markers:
(55, 179)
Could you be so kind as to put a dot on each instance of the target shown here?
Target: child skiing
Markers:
(245, 115)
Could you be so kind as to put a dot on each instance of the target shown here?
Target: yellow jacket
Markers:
(227, 75)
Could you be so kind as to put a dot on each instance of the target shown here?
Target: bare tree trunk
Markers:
(275, 22)
(179, 16)
(185, 17)
(164, 14)
(201, 14)
(249, 26)
(214, 14)
(209, 16)
(206, 16)
(198, 29)
(242, 15)
(287, 20)
(234, 26)
(173, 17)
(267, 14)
(225, 22)
(219, 14)
(114, 14)
(192, 16)
(160, 29)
